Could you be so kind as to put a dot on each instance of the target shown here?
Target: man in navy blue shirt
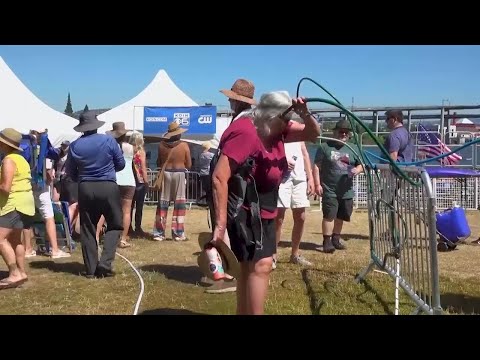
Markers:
(92, 162)
(398, 143)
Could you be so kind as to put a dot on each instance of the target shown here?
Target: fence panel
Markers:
(194, 188)
(403, 239)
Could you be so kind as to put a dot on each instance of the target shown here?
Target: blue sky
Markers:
(106, 76)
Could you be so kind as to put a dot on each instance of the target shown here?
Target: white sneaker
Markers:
(300, 260)
(159, 238)
(30, 254)
(60, 254)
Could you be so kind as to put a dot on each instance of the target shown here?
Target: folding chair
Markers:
(62, 225)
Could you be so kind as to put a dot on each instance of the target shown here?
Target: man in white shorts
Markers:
(43, 202)
(293, 193)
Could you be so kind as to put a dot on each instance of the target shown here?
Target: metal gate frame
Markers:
(403, 237)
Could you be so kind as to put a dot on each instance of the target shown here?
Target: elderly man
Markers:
(93, 160)
(335, 167)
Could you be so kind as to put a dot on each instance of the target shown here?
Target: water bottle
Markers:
(288, 172)
(216, 266)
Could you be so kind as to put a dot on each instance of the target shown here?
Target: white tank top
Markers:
(295, 149)
(126, 177)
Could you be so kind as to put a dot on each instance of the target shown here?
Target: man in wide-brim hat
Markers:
(93, 161)
(88, 122)
(242, 90)
(174, 160)
(240, 97)
(174, 129)
(118, 130)
(335, 167)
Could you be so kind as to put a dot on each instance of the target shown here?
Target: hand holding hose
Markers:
(300, 107)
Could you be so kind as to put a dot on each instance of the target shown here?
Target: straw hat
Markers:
(118, 129)
(173, 129)
(11, 137)
(230, 263)
(87, 122)
(242, 90)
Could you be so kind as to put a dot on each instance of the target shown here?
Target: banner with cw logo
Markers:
(197, 119)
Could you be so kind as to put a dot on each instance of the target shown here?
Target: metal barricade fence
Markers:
(194, 188)
(465, 191)
(403, 238)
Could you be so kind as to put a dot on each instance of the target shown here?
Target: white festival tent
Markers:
(161, 91)
(22, 110)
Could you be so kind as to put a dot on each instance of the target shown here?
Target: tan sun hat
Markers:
(173, 129)
(230, 263)
(242, 90)
(11, 137)
(118, 129)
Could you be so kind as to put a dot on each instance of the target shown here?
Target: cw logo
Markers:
(205, 119)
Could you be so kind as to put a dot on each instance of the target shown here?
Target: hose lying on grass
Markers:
(142, 284)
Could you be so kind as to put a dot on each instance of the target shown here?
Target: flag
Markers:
(431, 146)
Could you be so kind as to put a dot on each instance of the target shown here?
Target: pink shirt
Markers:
(240, 141)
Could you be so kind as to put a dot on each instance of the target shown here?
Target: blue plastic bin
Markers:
(453, 224)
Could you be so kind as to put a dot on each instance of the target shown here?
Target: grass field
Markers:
(171, 278)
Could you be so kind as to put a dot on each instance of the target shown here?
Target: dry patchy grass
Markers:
(171, 279)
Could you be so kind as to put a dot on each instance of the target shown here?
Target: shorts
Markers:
(250, 253)
(16, 220)
(43, 202)
(334, 208)
(293, 194)
(127, 192)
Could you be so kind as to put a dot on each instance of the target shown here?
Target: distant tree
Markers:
(86, 108)
(68, 108)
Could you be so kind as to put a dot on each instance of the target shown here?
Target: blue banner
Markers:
(196, 119)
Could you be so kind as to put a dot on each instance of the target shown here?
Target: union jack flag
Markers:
(431, 146)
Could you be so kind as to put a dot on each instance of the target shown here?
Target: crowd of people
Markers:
(261, 169)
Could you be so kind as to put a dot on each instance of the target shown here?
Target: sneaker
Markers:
(300, 260)
(30, 254)
(177, 238)
(159, 238)
(104, 273)
(206, 281)
(274, 264)
(60, 254)
(222, 286)
(337, 244)
(328, 246)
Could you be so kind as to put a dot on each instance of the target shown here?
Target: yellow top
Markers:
(20, 197)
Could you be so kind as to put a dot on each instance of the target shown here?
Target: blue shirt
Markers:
(95, 157)
(399, 140)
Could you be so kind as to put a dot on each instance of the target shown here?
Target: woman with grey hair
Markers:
(252, 149)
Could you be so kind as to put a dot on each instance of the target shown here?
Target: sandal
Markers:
(8, 284)
(123, 244)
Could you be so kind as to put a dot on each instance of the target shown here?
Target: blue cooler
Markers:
(453, 224)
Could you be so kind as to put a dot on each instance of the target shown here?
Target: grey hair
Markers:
(271, 105)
